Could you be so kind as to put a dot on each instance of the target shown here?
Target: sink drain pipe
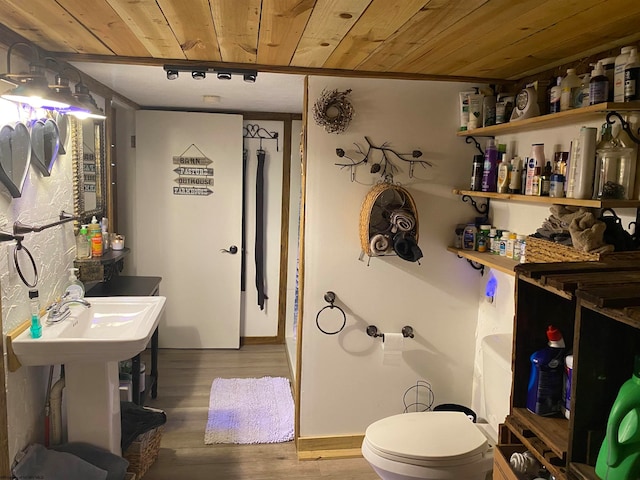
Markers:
(56, 410)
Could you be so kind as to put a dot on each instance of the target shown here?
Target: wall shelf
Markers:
(552, 120)
(611, 203)
(502, 264)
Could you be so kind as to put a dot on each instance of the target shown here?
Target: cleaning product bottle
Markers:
(83, 247)
(34, 305)
(75, 288)
(489, 173)
(619, 457)
(95, 235)
(618, 75)
(544, 392)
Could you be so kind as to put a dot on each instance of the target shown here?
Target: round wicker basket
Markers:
(377, 206)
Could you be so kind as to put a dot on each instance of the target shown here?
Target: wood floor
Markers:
(183, 393)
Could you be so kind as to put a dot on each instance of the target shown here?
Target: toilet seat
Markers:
(428, 439)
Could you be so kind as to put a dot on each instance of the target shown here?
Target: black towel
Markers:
(406, 247)
(259, 245)
(137, 420)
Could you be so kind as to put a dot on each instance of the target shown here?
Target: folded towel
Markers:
(379, 244)
(38, 462)
(114, 465)
(402, 220)
(587, 235)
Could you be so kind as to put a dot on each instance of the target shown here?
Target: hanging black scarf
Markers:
(259, 244)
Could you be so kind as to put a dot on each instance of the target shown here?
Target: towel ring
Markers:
(33, 265)
(331, 298)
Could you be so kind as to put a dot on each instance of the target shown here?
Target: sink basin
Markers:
(90, 342)
(112, 329)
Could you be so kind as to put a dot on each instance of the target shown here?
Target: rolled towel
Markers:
(379, 244)
(403, 220)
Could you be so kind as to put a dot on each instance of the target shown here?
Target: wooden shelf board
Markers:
(553, 431)
(551, 200)
(552, 119)
(583, 471)
(502, 264)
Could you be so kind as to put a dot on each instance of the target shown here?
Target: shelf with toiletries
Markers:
(604, 203)
(553, 119)
(496, 262)
(594, 307)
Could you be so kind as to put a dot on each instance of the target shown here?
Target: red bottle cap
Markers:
(553, 334)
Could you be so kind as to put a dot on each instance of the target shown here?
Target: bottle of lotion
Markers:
(598, 86)
(489, 174)
(503, 175)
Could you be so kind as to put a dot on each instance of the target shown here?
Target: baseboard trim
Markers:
(260, 341)
(318, 448)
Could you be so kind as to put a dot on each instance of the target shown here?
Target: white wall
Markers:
(345, 386)
(54, 250)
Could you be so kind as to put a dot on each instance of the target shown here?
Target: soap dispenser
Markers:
(75, 289)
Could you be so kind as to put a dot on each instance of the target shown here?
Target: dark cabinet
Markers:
(596, 305)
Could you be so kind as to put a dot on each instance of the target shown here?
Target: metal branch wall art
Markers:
(385, 166)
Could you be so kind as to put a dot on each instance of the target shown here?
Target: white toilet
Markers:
(443, 444)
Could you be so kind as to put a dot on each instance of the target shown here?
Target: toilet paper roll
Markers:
(392, 346)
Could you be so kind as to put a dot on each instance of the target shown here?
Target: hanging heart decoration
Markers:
(62, 120)
(15, 154)
(45, 142)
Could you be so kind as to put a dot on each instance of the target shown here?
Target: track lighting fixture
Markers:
(199, 72)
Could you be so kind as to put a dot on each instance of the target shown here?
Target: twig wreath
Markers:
(333, 110)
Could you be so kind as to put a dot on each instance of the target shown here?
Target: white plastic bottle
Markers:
(631, 77)
(618, 75)
(571, 87)
(503, 243)
(598, 86)
(503, 175)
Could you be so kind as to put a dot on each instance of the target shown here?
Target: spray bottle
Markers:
(619, 457)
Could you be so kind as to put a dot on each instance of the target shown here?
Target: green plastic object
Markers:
(619, 457)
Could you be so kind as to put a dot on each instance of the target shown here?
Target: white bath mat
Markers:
(250, 410)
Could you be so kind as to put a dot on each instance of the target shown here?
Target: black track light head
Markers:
(224, 76)
(198, 75)
(172, 74)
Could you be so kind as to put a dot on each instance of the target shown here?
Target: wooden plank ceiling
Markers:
(476, 39)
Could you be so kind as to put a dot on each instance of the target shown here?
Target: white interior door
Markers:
(182, 229)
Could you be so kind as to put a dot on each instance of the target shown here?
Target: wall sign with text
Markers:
(195, 175)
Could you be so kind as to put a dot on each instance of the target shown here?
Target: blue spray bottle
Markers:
(619, 457)
(544, 393)
(34, 305)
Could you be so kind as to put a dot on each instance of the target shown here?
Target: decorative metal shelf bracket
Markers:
(625, 125)
(475, 265)
(481, 209)
(471, 139)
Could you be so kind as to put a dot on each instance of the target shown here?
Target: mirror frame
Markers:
(77, 163)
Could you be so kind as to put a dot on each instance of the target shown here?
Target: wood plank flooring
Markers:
(183, 393)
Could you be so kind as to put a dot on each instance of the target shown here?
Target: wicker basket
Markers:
(384, 193)
(143, 452)
(539, 250)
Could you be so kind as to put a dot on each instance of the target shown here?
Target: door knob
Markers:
(232, 250)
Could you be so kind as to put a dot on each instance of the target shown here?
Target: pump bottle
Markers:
(34, 305)
(75, 288)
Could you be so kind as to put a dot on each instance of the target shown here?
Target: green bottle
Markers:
(619, 457)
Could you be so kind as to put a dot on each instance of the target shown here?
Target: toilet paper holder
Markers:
(372, 331)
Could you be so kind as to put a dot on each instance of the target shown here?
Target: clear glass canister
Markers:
(614, 173)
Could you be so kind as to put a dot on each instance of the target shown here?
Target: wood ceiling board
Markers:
(558, 41)
(380, 21)
(465, 32)
(237, 25)
(527, 27)
(281, 25)
(98, 17)
(47, 24)
(148, 23)
(330, 21)
(192, 25)
(422, 29)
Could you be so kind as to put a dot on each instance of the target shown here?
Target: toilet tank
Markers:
(496, 377)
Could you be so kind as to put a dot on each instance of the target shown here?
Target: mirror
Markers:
(15, 154)
(87, 150)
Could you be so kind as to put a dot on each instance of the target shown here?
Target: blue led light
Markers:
(492, 286)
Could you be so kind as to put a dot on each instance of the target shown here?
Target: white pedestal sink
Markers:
(90, 343)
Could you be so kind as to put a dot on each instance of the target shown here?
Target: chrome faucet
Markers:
(60, 310)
